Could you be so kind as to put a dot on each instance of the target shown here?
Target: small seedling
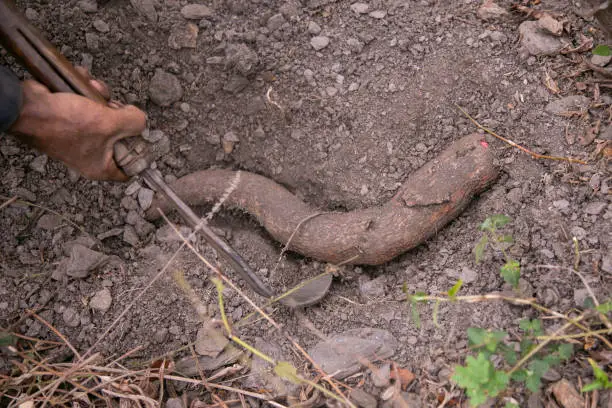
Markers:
(519, 361)
(602, 50)
(602, 382)
(511, 270)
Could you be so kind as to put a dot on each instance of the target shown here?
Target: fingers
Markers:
(31, 87)
(98, 85)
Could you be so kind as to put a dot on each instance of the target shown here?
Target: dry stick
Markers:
(513, 144)
(517, 301)
(543, 344)
(576, 335)
(259, 310)
(71, 370)
(8, 202)
(55, 331)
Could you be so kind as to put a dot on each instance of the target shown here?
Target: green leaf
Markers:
(494, 222)
(511, 405)
(510, 356)
(511, 272)
(456, 287)
(533, 383)
(592, 387)
(588, 303)
(414, 311)
(480, 379)
(508, 239)
(601, 378)
(476, 336)
(287, 371)
(7, 339)
(565, 351)
(519, 375)
(536, 369)
(531, 327)
(480, 247)
(602, 50)
(605, 308)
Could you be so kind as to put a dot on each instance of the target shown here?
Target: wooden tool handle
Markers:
(41, 58)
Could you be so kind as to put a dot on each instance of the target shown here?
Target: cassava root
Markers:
(430, 198)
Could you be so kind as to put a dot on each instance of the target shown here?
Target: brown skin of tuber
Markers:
(430, 198)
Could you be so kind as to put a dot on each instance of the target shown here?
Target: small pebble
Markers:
(101, 26)
(319, 42)
(101, 301)
(360, 8)
(314, 28)
(145, 198)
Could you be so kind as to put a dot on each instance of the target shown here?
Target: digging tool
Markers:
(133, 155)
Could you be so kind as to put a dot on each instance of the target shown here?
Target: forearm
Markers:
(10, 98)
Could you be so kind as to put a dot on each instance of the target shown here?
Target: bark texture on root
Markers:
(430, 198)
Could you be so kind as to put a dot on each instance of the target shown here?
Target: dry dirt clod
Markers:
(210, 340)
(101, 301)
(146, 8)
(165, 88)
(196, 11)
(568, 103)
(183, 36)
(491, 11)
(39, 164)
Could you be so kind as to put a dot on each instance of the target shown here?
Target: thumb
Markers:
(126, 121)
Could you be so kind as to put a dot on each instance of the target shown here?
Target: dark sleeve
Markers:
(10, 98)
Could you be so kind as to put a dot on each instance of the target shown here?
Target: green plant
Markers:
(511, 270)
(523, 361)
(603, 50)
(601, 379)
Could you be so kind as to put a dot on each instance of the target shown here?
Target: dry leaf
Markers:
(566, 394)
(403, 375)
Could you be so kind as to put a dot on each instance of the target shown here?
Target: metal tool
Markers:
(133, 155)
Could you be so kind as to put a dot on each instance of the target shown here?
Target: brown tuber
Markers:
(430, 198)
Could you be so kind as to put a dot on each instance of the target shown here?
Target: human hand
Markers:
(76, 130)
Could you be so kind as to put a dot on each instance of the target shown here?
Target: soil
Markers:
(341, 127)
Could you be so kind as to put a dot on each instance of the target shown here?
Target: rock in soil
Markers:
(39, 164)
(491, 11)
(82, 261)
(360, 8)
(165, 88)
(210, 340)
(319, 42)
(188, 366)
(341, 353)
(101, 301)
(196, 11)
(362, 399)
(568, 103)
(262, 376)
(146, 8)
(537, 42)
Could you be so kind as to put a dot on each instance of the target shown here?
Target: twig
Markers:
(8, 202)
(513, 144)
(575, 335)
(543, 344)
(55, 331)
